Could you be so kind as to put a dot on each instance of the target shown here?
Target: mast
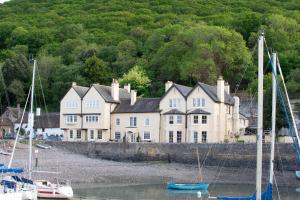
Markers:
(31, 121)
(273, 133)
(259, 116)
(290, 107)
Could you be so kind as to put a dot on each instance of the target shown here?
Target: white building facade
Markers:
(199, 114)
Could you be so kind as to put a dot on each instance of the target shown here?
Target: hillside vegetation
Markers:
(93, 41)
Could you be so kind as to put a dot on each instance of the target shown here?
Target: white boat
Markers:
(59, 190)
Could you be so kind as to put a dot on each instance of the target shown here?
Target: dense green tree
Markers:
(95, 70)
(16, 89)
(138, 80)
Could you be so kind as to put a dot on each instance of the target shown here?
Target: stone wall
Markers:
(226, 155)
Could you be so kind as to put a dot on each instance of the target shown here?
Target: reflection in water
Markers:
(153, 192)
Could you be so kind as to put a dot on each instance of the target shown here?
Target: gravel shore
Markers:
(81, 169)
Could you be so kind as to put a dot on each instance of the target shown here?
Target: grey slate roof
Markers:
(81, 91)
(47, 120)
(145, 105)
(174, 112)
(199, 111)
(212, 92)
(184, 90)
(105, 92)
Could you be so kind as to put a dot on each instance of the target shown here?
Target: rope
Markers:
(278, 194)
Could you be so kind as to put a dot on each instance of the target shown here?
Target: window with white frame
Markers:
(118, 121)
(91, 118)
(198, 102)
(174, 102)
(195, 119)
(147, 121)
(179, 119)
(147, 135)
(92, 134)
(204, 119)
(71, 104)
(92, 103)
(78, 134)
(195, 137)
(170, 136)
(132, 122)
(71, 119)
(71, 134)
(171, 119)
(117, 135)
(99, 134)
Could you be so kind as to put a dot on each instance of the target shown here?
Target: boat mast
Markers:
(31, 120)
(273, 133)
(259, 116)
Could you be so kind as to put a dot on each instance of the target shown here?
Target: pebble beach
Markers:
(79, 169)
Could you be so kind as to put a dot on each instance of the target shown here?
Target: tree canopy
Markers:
(184, 41)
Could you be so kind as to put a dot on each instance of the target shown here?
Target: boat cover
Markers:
(267, 195)
(8, 184)
(11, 170)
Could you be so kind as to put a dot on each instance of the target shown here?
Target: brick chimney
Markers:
(115, 90)
(168, 84)
(220, 88)
(132, 97)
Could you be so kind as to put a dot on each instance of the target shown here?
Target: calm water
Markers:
(151, 192)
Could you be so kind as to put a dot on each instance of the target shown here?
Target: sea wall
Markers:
(226, 155)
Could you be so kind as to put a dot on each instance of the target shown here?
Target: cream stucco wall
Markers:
(124, 126)
(65, 111)
(173, 93)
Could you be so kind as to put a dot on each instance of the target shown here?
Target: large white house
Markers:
(199, 114)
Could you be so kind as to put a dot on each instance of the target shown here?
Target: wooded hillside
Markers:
(93, 41)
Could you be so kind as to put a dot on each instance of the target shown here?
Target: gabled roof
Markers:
(5, 122)
(174, 112)
(199, 111)
(211, 91)
(105, 92)
(25, 118)
(80, 90)
(47, 120)
(145, 105)
(184, 90)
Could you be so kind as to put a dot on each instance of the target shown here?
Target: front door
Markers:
(131, 136)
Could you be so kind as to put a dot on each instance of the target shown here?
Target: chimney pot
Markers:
(132, 97)
(74, 83)
(115, 90)
(168, 84)
(221, 89)
(127, 87)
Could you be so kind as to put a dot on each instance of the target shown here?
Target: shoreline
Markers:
(80, 169)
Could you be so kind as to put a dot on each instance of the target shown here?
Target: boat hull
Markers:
(11, 196)
(63, 192)
(189, 186)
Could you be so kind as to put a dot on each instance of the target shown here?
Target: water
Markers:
(151, 192)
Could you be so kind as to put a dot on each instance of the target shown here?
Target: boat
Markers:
(59, 190)
(267, 194)
(188, 186)
(9, 189)
(42, 146)
(5, 153)
(298, 174)
(191, 186)
(45, 189)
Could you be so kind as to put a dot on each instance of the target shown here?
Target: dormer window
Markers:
(92, 103)
(71, 104)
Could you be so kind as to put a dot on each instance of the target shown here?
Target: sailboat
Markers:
(8, 189)
(45, 189)
(267, 195)
(191, 186)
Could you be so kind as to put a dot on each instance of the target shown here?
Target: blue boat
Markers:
(187, 186)
(298, 174)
